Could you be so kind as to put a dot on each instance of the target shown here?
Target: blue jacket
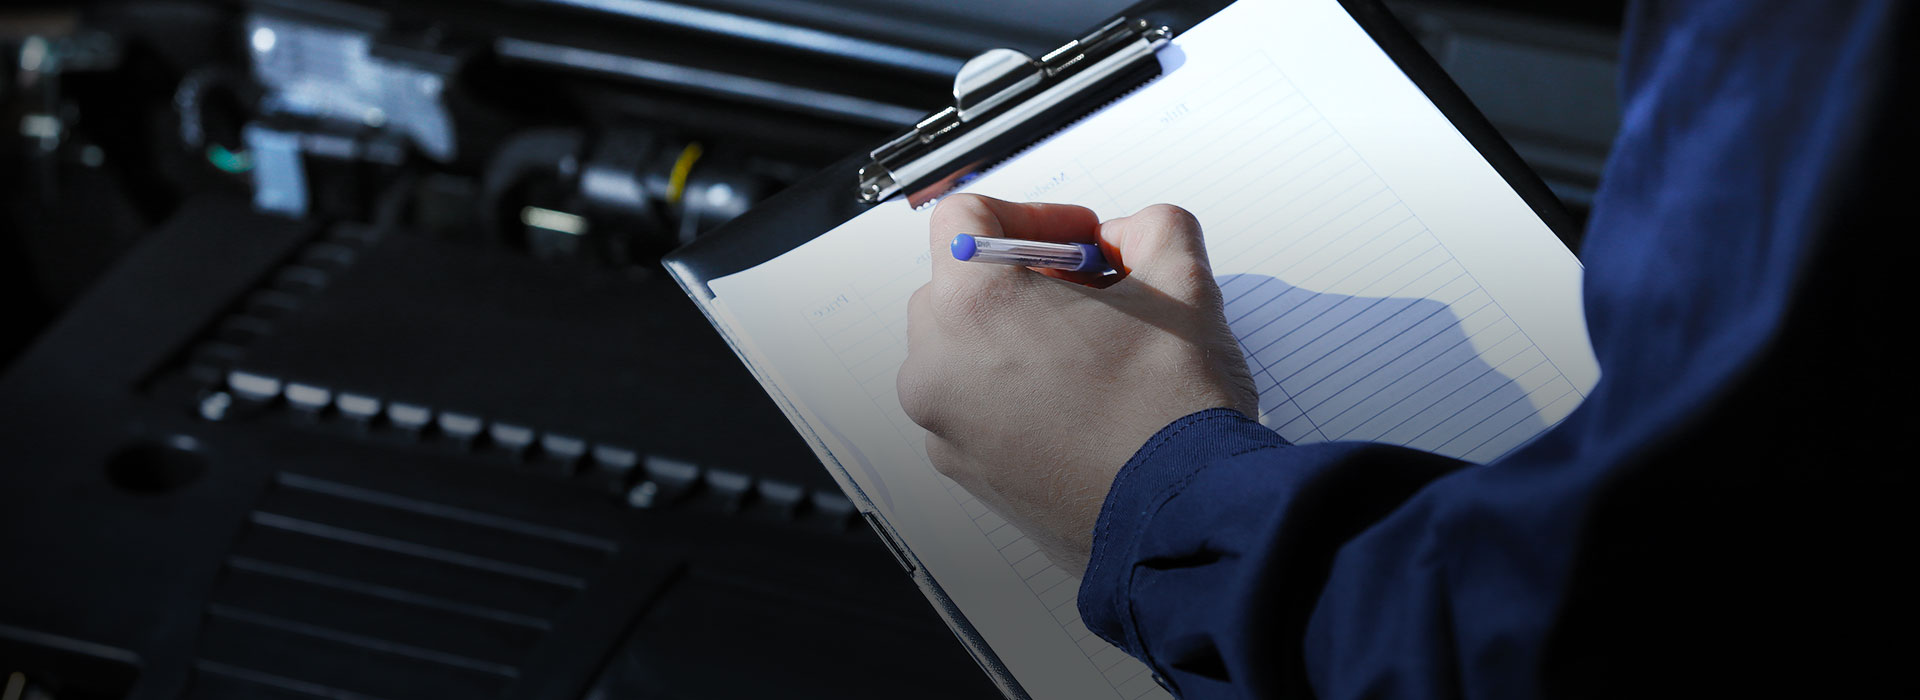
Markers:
(1725, 514)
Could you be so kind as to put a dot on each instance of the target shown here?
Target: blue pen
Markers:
(1075, 257)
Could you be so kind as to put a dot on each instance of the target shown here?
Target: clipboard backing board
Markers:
(828, 199)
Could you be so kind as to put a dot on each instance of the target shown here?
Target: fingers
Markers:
(985, 216)
(1063, 223)
(1161, 246)
(1054, 223)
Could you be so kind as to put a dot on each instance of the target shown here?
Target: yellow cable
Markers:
(677, 181)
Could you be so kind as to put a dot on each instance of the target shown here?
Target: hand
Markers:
(1035, 389)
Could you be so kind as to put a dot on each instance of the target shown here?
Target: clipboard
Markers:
(1005, 101)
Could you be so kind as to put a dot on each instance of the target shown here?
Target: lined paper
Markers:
(1382, 281)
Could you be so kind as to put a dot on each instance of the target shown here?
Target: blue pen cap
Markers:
(964, 247)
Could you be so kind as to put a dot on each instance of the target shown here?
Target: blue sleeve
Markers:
(1722, 516)
(1211, 546)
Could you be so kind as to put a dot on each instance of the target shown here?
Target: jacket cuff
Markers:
(1153, 477)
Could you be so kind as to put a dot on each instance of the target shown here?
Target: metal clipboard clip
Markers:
(1003, 100)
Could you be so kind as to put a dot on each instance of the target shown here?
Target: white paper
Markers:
(1384, 282)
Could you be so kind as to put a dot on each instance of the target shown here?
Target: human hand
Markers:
(1035, 390)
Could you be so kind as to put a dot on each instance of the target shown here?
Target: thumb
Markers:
(1160, 246)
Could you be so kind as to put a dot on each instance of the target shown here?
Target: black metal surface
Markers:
(583, 351)
(1546, 82)
(926, 36)
(269, 555)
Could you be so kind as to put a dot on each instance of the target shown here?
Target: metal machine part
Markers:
(48, 116)
(347, 461)
(363, 94)
(729, 85)
(330, 73)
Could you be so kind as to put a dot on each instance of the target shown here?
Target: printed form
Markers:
(1384, 283)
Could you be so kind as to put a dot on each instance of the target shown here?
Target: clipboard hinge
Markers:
(996, 94)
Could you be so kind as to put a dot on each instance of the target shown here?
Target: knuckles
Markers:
(1170, 218)
(1193, 284)
(919, 305)
(920, 392)
(926, 383)
(1167, 227)
(914, 384)
(944, 461)
(960, 213)
(949, 460)
(1176, 232)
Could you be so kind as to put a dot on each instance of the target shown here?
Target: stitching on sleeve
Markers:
(1160, 501)
(1127, 471)
(1131, 629)
(1252, 450)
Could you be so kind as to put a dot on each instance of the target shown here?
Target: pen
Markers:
(1076, 257)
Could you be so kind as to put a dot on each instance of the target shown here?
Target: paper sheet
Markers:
(1383, 281)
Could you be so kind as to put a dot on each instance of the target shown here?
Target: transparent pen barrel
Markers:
(1058, 256)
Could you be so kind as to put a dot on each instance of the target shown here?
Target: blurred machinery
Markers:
(338, 363)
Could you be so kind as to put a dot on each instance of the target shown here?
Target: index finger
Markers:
(985, 216)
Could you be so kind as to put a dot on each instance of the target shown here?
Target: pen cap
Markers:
(964, 247)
